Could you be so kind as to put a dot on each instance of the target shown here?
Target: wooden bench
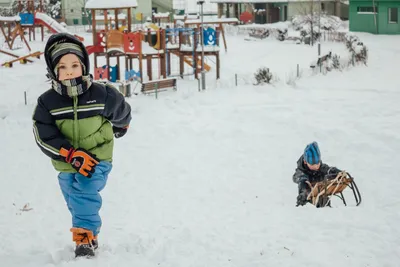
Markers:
(153, 86)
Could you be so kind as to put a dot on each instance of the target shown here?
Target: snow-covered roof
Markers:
(246, 1)
(110, 17)
(161, 15)
(213, 21)
(183, 17)
(15, 18)
(192, 6)
(109, 4)
(262, 1)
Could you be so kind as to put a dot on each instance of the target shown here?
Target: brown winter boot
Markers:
(84, 242)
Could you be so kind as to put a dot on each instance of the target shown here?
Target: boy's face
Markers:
(313, 167)
(69, 67)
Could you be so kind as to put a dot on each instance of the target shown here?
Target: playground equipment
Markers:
(34, 18)
(11, 28)
(22, 60)
(114, 43)
(152, 47)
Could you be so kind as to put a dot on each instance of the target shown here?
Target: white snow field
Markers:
(205, 178)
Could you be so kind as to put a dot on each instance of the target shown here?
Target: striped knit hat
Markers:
(312, 155)
(62, 44)
(59, 50)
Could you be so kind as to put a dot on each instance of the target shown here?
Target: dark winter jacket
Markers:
(84, 121)
(303, 173)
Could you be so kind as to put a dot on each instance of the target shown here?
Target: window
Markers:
(393, 15)
(72, 11)
(322, 7)
(366, 9)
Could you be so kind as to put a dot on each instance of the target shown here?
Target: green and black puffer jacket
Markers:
(83, 121)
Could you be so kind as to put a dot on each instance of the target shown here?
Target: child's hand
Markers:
(302, 198)
(119, 132)
(81, 160)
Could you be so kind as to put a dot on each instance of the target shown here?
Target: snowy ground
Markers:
(204, 178)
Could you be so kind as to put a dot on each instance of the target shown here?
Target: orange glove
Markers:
(81, 160)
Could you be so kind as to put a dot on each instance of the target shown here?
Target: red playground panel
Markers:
(132, 42)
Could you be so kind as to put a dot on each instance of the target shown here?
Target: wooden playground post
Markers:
(223, 36)
(105, 20)
(116, 19)
(108, 65)
(196, 54)
(163, 56)
(217, 65)
(141, 57)
(94, 35)
(149, 59)
(129, 20)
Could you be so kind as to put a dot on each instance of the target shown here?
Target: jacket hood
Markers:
(64, 38)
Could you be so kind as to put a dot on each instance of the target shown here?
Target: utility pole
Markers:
(203, 74)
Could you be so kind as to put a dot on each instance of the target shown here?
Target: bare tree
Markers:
(308, 16)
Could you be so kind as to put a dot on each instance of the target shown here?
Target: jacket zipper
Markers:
(75, 124)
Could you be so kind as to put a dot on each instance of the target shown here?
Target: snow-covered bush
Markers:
(54, 9)
(336, 62)
(358, 51)
(262, 76)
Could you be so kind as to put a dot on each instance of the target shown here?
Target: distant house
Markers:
(270, 11)
(192, 8)
(5, 3)
(383, 18)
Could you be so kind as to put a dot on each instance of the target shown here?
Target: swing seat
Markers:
(321, 192)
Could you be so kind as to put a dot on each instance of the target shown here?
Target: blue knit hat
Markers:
(312, 155)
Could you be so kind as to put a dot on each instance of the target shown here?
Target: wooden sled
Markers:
(22, 60)
(321, 192)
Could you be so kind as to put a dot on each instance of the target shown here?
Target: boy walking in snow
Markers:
(310, 169)
(74, 123)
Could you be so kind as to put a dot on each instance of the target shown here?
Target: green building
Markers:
(383, 18)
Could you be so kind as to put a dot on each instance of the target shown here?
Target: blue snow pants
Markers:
(82, 196)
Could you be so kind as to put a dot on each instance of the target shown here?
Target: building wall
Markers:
(384, 27)
(144, 7)
(281, 7)
(302, 8)
(5, 3)
(72, 11)
(163, 6)
(362, 22)
(344, 11)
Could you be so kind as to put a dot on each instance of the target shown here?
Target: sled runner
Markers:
(322, 192)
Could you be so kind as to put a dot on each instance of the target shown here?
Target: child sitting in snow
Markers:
(74, 123)
(310, 169)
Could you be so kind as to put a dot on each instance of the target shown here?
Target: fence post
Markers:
(236, 79)
(26, 102)
(156, 86)
(198, 83)
(298, 71)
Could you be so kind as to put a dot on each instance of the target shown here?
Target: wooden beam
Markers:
(223, 36)
(116, 18)
(129, 20)
(94, 26)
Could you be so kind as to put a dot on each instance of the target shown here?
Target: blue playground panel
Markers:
(27, 18)
(113, 73)
(132, 74)
(210, 37)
